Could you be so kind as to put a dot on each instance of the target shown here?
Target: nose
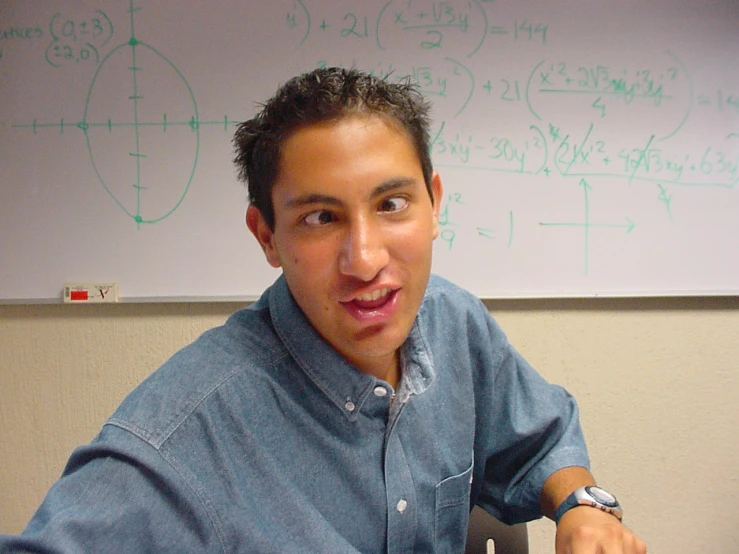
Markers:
(363, 252)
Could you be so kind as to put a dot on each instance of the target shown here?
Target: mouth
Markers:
(377, 305)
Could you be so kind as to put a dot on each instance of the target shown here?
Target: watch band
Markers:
(594, 497)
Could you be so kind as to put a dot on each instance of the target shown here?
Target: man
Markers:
(360, 405)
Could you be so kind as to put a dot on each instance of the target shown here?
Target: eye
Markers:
(318, 218)
(393, 204)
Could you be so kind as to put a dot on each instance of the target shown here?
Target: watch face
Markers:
(602, 496)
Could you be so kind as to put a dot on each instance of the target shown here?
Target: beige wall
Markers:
(657, 381)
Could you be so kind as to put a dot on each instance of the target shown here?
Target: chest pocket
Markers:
(453, 512)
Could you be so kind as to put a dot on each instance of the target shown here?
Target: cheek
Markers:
(415, 243)
(309, 269)
(314, 257)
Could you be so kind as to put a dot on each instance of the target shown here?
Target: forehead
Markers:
(348, 149)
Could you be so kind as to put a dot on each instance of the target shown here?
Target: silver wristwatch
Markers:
(595, 497)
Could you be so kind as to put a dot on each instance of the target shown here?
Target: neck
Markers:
(392, 376)
(387, 370)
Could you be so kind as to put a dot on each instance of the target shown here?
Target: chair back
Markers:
(508, 539)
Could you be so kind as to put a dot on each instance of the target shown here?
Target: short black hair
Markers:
(325, 94)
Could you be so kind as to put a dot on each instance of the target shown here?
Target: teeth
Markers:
(375, 295)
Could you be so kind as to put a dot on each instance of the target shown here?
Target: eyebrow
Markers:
(316, 198)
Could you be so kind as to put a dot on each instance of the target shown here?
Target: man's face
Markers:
(354, 226)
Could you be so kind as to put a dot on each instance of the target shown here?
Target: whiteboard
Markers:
(586, 148)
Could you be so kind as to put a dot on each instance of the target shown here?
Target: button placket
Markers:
(402, 505)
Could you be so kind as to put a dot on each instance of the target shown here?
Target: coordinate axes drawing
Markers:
(141, 104)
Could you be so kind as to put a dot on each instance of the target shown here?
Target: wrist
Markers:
(590, 497)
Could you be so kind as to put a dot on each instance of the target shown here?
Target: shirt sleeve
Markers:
(116, 495)
(527, 429)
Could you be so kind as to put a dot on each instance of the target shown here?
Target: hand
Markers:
(585, 530)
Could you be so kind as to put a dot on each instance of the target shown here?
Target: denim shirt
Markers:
(259, 437)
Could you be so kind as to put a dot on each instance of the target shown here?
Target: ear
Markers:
(264, 235)
(437, 190)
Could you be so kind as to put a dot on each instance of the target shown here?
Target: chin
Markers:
(378, 343)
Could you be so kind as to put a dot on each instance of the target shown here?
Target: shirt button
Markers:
(402, 505)
(380, 391)
(349, 406)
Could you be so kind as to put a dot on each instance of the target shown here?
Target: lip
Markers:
(374, 316)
